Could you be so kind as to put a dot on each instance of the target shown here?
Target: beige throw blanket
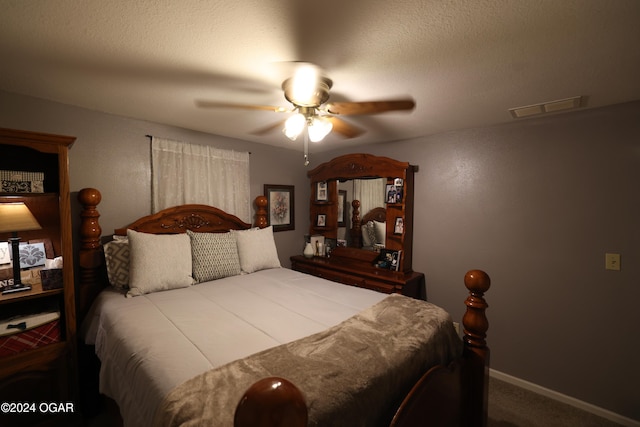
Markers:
(353, 374)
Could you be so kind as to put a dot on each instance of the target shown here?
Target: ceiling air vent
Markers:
(547, 107)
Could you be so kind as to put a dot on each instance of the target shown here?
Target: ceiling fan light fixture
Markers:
(318, 128)
(294, 126)
(308, 87)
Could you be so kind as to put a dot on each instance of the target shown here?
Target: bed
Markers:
(262, 344)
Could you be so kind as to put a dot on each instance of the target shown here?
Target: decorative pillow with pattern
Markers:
(116, 254)
(368, 234)
(257, 249)
(158, 262)
(214, 256)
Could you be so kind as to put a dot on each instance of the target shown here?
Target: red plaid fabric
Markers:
(37, 337)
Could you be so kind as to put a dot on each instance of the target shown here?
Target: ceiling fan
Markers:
(308, 92)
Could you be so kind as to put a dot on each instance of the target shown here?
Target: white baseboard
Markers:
(596, 410)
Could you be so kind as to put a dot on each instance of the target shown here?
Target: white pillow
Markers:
(158, 262)
(380, 229)
(214, 255)
(257, 249)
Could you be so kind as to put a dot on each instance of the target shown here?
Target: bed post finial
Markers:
(272, 402)
(475, 320)
(261, 212)
(90, 258)
(90, 230)
(356, 232)
(476, 351)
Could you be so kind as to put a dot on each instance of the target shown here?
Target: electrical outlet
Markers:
(612, 262)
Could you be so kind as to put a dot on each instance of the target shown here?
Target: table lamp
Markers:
(16, 217)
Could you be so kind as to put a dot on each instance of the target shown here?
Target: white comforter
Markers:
(150, 344)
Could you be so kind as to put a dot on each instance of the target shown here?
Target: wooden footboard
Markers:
(454, 395)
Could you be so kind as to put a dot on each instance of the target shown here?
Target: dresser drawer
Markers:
(364, 277)
(346, 279)
(379, 286)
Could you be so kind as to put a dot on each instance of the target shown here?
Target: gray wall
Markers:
(536, 204)
(112, 154)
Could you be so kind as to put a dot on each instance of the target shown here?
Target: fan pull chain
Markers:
(306, 148)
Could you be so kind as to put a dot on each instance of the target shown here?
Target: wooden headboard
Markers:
(178, 219)
(375, 214)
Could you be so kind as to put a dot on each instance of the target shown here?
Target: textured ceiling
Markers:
(464, 62)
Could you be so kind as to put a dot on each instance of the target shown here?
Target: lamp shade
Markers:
(16, 217)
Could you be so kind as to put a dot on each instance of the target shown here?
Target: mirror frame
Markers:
(358, 166)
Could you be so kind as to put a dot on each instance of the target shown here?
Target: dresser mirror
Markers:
(377, 211)
(371, 195)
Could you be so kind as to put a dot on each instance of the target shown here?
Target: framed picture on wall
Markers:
(322, 191)
(280, 206)
(342, 208)
(322, 220)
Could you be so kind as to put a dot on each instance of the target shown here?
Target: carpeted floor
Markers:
(509, 406)
(512, 406)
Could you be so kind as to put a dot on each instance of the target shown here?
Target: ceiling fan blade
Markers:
(343, 128)
(369, 107)
(214, 104)
(268, 129)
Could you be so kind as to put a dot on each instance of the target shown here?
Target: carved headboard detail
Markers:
(376, 214)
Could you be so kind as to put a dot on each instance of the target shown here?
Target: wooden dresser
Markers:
(355, 268)
(353, 265)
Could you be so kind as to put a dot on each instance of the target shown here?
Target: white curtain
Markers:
(370, 192)
(188, 173)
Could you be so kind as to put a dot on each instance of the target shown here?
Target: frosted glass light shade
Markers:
(294, 126)
(319, 128)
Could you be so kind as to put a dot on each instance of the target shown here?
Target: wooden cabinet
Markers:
(45, 374)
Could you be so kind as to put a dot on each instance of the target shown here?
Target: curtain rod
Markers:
(151, 136)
